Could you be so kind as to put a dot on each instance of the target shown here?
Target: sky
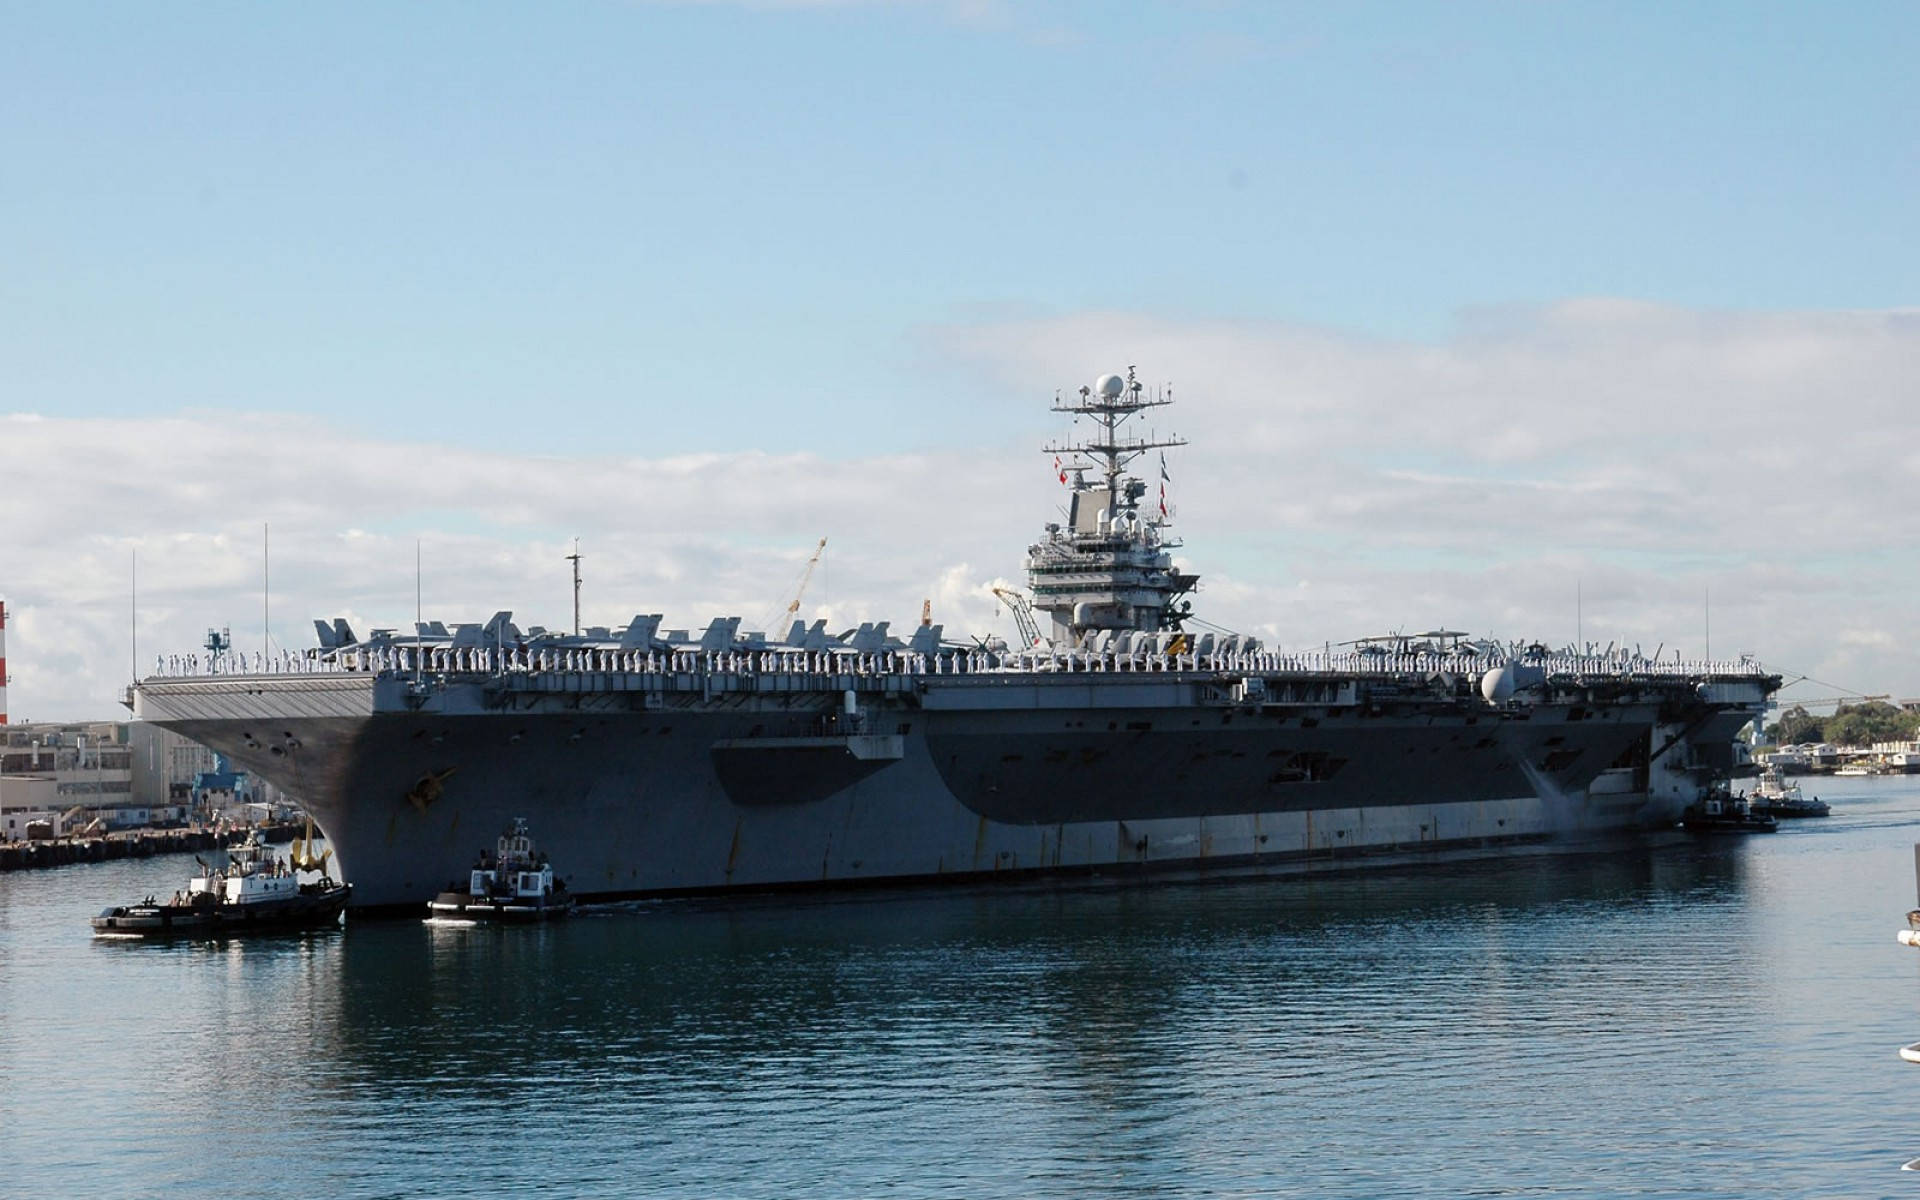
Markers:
(1540, 320)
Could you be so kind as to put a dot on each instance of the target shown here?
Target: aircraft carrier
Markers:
(1117, 738)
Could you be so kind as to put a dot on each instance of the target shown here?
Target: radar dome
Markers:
(1110, 386)
(1497, 685)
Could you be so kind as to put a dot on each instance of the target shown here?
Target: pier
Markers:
(138, 843)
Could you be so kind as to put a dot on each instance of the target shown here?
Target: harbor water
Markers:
(1694, 1017)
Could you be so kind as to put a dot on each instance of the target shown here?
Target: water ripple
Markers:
(1699, 1019)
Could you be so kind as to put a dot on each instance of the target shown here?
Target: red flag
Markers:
(1057, 467)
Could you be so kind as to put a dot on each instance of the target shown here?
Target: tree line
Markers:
(1855, 725)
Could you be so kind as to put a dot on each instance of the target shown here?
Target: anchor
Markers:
(428, 788)
(300, 855)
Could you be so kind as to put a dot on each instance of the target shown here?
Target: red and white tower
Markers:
(3, 662)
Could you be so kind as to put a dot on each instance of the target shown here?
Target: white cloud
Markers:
(1334, 487)
(1649, 456)
(691, 536)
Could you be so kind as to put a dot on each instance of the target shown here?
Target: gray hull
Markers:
(643, 783)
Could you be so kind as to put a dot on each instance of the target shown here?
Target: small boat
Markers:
(1775, 796)
(1910, 936)
(1720, 811)
(256, 892)
(514, 883)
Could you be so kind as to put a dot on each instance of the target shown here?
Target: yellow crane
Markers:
(1022, 610)
(799, 590)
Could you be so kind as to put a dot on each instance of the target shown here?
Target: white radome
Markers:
(1110, 386)
(1497, 685)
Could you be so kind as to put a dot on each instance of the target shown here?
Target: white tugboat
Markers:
(254, 893)
(514, 883)
(1720, 811)
(1777, 796)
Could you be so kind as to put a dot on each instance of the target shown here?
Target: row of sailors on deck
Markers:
(491, 661)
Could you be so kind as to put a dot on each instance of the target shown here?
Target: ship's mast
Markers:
(1107, 572)
(1110, 401)
(574, 558)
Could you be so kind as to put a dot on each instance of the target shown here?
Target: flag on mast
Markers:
(1059, 469)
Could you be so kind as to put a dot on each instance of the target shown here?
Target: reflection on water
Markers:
(1555, 1024)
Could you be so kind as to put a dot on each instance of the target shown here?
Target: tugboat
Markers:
(255, 893)
(1910, 936)
(1775, 797)
(1720, 811)
(514, 883)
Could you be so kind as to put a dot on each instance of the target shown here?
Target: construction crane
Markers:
(1022, 610)
(1826, 702)
(800, 589)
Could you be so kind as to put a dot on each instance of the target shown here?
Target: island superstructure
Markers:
(1108, 573)
(659, 761)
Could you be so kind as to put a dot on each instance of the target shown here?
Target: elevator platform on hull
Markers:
(799, 770)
